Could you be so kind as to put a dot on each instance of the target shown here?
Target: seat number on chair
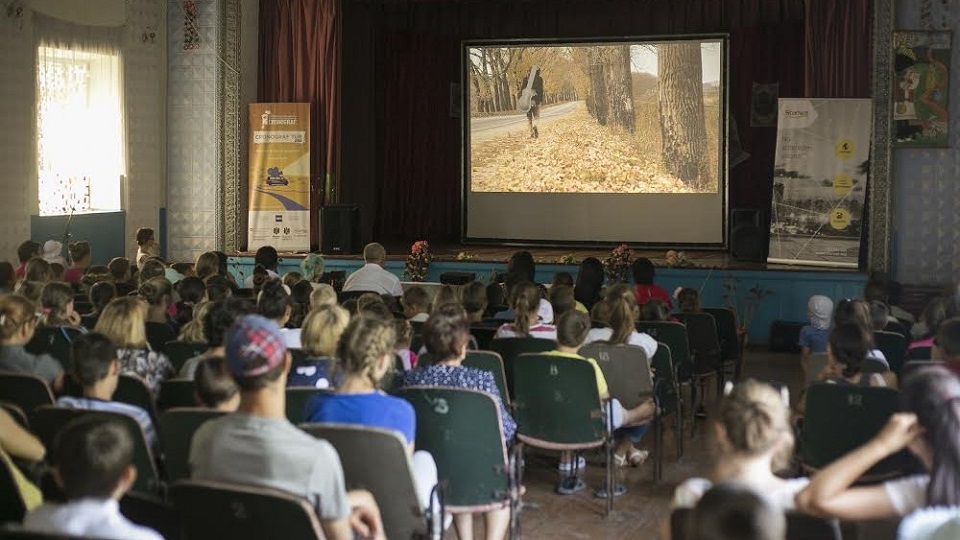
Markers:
(855, 400)
(239, 510)
(554, 371)
(440, 406)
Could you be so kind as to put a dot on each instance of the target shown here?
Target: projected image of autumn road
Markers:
(597, 118)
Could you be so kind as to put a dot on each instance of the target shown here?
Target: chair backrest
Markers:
(665, 380)
(557, 404)
(133, 390)
(913, 365)
(180, 351)
(626, 370)
(726, 322)
(894, 349)
(176, 428)
(152, 512)
(392, 483)
(297, 398)
(462, 431)
(873, 365)
(510, 348)
(25, 391)
(12, 505)
(47, 422)
(840, 418)
(920, 353)
(818, 362)
(159, 334)
(799, 526)
(703, 338)
(55, 341)
(490, 361)
(483, 335)
(215, 510)
(177, 393)
(674, 335)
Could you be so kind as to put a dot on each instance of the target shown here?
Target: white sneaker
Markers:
(568, 467)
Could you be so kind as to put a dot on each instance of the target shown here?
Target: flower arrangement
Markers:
(617, 264)
(418, 261)
(678, 259)
(569, 258)
(744, 306)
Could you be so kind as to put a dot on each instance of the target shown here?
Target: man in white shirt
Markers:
(267, 257)
(371, 276)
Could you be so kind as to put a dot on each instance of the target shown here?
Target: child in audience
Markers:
(216, 389)
(38, 271)
(30, 290)
(446, 294)
(56, 300)
(312, 267)
(416, 304)
(266, 262)
(404, 333)
(321, 332)
(322, 295)
(299, 302)
(734, 511)
(97, 369)
(754, 440)
(366, 354)
(645, 290)
(219, 317)
(946, 346)
(206, 265)
(120, 272)
(445, 335)
(928, 428)
(291, 278)
(158, 295)
(930, 320)
(53, 252)
(572, 329)
(273, 302)
(522, 265)
(192, 332)
(562, 300)
(152, 268)
(814, 336)
(94, 466)
(218, 288)
(565, 279)
(858, 312)
(475, 301)
(621, 317)
(56, 271)
(147, 246)
(656, 311)
(847, 350)
(191, 291)
(80, 254)
(525, 304)
(124, 322)
(496, 301)
(100, 295)
(18, 321)
(27, 250)
(688, 300)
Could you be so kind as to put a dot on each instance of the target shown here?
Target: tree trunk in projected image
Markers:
(597, 101)
(684, 133)
(620, 87)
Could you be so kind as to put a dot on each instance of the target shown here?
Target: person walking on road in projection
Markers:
(531, 96)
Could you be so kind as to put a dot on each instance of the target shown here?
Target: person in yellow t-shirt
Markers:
(19, 443)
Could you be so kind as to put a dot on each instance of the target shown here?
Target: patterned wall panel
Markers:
(927, 181)
(192, 130)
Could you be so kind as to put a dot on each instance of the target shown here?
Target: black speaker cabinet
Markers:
(340, 229)
(748, 234)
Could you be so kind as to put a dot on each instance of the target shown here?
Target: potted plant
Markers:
(418, 261)
(617, 264)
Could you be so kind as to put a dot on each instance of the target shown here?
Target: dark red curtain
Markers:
(300, 42)
(838, 58)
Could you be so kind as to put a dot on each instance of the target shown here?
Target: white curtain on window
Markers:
(81, 142)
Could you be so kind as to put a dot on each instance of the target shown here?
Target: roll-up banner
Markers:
(279, 176)
(820, 181)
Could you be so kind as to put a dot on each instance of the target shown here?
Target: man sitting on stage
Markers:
(371, 276)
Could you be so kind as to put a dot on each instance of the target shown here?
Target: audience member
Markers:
(496, 300)
(216, 388)
(474, 301)
(218, 288)
(312, 267)
(525, 303)
(522, 265)
(847, 350)
(754, 441)
(562, 300)
(366, 354)
(219, 318)
(621, 318)
(52, 252)
(124, 322)
(257, 445)
(8, 277)
(191, 291)
(80, 255)
(94, 467)
(30, 290)
(372, 276)
(299, 303)
(26, 251)
(655, 311)
(814, 336)
(946, 346)
(223, 271)
(158, 295)
(887, 292)
(56, 302)
(18, 322)
(928, 428)
(18, 443)
(323, 295)
(206, 265)
(273, 302)
(402, 346)
(688, 300)
(445, 335)
(267, 258)
(416, 304)
(733, 511)
(185, 269)
(97, 369)
(321, 332)
(100, 295)
(446, 294)
(56, 271)
(150, 269)
(120, 271)
(38, 271)
(192, 332)
(926, 329)
(645, 290)
(858, 312)
(147, 246)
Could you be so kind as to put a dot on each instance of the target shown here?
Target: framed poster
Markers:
(921, 89)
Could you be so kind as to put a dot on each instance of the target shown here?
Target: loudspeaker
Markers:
(748, 234)
(340, 229)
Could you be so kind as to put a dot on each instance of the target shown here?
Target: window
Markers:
(80, 133)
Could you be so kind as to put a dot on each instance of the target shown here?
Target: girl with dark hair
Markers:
(56, 301)
(645, 290)
(523, 266)
(191, 291)
(928, 429)
(80, 255)
(273, 302)
(525, 303)
(688, 300)
(847, 350)
(858, 312)
(589, 282)
(930, 320)
(620, 313)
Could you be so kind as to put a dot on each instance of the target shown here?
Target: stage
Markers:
(721, 280)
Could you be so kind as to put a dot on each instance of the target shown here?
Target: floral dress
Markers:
(152, 367)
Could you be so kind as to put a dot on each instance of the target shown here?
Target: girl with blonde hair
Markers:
(525, 303)
(124, 322)
(620, 312)
(319, 336)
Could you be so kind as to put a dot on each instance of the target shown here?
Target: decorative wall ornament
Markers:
(921, 89)
(880, 186)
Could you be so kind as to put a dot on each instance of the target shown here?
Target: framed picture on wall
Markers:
(921, 89)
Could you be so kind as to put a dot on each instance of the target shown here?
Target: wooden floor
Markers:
(639, 513)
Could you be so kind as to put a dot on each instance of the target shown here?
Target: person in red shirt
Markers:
(646, 290)
(80, 255)
(26, 251)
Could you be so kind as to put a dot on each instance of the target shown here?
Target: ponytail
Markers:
(622, 320)
(933, 394)
(525, 302)
(14, 312)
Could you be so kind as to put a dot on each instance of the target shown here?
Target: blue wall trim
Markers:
(791, 289)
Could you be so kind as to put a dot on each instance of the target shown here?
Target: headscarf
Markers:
(821, 311)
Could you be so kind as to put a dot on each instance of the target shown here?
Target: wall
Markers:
(144, 90)
(926, 247)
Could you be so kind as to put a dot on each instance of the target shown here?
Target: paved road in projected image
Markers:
(495, 126)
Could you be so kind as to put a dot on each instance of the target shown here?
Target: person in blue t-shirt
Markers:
(814, 336)
(366, 354)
